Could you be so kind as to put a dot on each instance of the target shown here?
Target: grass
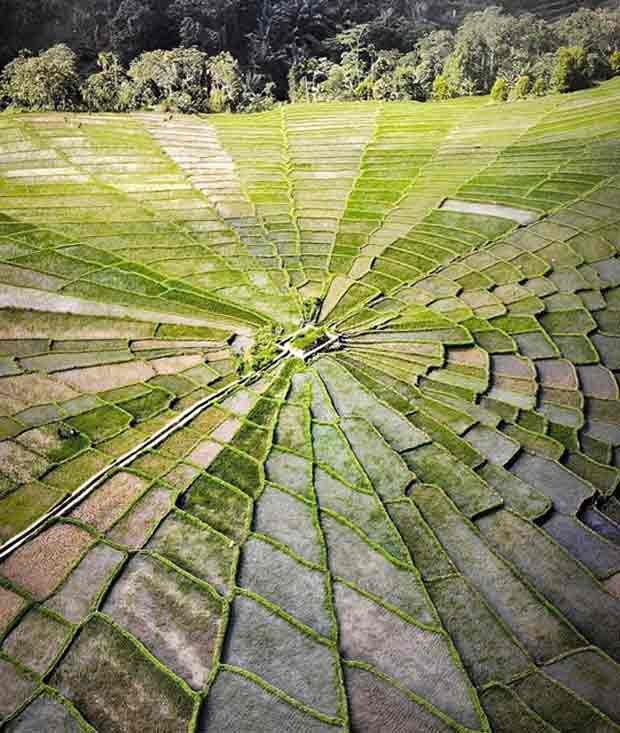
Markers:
(252, 440)
(23, 506)
(102, 423)
(218, 505)
(264, 412)
(238, 469)
(143, 408)
(448, 477)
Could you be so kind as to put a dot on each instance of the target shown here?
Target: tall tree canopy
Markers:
(311, 49)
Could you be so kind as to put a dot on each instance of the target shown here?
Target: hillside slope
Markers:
(414, 528)
(550, 9)
(85, 25)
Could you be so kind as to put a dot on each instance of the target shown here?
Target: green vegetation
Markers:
(47, 81)
(570, 71)
(264, 412)
(418, 529)
(237, 469)
(218, 505)
(187, 57)
(313, 305)
(262, 352)
(309, 339)
(101, 423)
(24, 506)
(145, 407)
(500, 91)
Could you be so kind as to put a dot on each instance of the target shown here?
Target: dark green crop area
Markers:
(416, 527)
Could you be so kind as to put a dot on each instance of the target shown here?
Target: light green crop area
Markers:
(417, 529)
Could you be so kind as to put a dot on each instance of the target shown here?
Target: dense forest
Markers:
(213, 55)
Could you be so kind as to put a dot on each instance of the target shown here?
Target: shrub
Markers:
(539, 89)
(180, 102)
(48, 81)
(335, 86)
(499, 92)
(521, 88)
(570, 69)
(256, 93)
(307, 79)
(312, 307)
(441, 88)
(369, 89)
(264, 350)
(614, 63)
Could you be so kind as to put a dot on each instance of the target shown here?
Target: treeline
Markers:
(180, 79)
(490, 51)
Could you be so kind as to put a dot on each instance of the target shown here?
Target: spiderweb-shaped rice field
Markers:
(412, 527)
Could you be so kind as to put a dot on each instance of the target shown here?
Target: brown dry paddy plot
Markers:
(414, 530)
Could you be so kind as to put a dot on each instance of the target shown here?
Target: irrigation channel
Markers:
(287, 351)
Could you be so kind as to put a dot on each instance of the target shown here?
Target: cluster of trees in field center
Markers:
(247, 55)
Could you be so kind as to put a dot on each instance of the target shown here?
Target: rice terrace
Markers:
(310, 416)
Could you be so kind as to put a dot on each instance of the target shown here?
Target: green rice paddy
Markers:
(414, 528)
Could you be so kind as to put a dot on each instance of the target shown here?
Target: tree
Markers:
(108, 90)
(393, 31)
(593, 30)
(335, 86)
(460, 84)
(357, 56)
(188, 80)
(263, 351)
(477, 46)
(392, 77)
(492, 44)
(499, 92)
(433, 51)
(179, 78)
(225, 81)
(287, 33)
(83, 25)
(312, 307)
(205, 23)
(405, 83)
(48, 81)
(597, 32)
(324, 49)
(380, 82)
(308, 80)
(541, 71)
(570, 69)
(138, 26)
